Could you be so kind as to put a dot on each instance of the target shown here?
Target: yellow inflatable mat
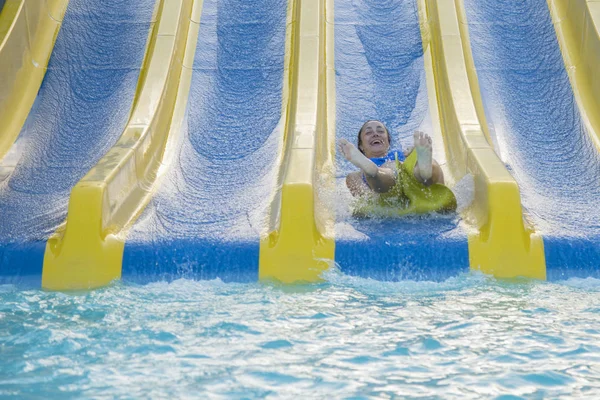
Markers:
(407, 197)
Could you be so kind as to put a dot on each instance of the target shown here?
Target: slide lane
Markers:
(80, 112)
(207, 217)
(541, 135)
(381, 75)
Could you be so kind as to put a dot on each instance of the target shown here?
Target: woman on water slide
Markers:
(378, 164)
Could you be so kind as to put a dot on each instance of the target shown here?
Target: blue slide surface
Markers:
(542, 139)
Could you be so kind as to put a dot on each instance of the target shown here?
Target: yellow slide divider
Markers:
(300, 245)
(28, 30)
(577, 25)
(503, 244)
(87, 252)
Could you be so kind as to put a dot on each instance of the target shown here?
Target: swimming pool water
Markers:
(467, 337)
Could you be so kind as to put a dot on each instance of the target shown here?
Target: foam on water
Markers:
(466, 337)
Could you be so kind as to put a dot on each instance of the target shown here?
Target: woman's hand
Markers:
(350, 152)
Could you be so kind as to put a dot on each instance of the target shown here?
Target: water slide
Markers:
(198, 143)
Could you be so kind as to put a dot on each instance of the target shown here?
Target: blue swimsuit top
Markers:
(391, 156)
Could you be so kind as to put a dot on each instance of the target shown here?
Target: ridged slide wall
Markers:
(577, 25)
(542, 133)
(506, 244)
(300, 243)
(28, 30)
(88, 251)
(80, 112)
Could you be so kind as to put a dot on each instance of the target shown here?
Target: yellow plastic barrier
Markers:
(28, 30)
(503, 245)
(87, 252)
(300, 243)
(577, 25)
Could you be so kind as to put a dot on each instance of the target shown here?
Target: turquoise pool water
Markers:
(467, 337)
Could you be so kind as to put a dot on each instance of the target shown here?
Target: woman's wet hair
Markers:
(359, 140)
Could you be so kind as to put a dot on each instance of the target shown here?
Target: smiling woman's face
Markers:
(374, 140)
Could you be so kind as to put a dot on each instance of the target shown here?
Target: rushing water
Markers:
(467, 337)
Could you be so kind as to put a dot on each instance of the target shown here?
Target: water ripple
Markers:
(468, 337)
